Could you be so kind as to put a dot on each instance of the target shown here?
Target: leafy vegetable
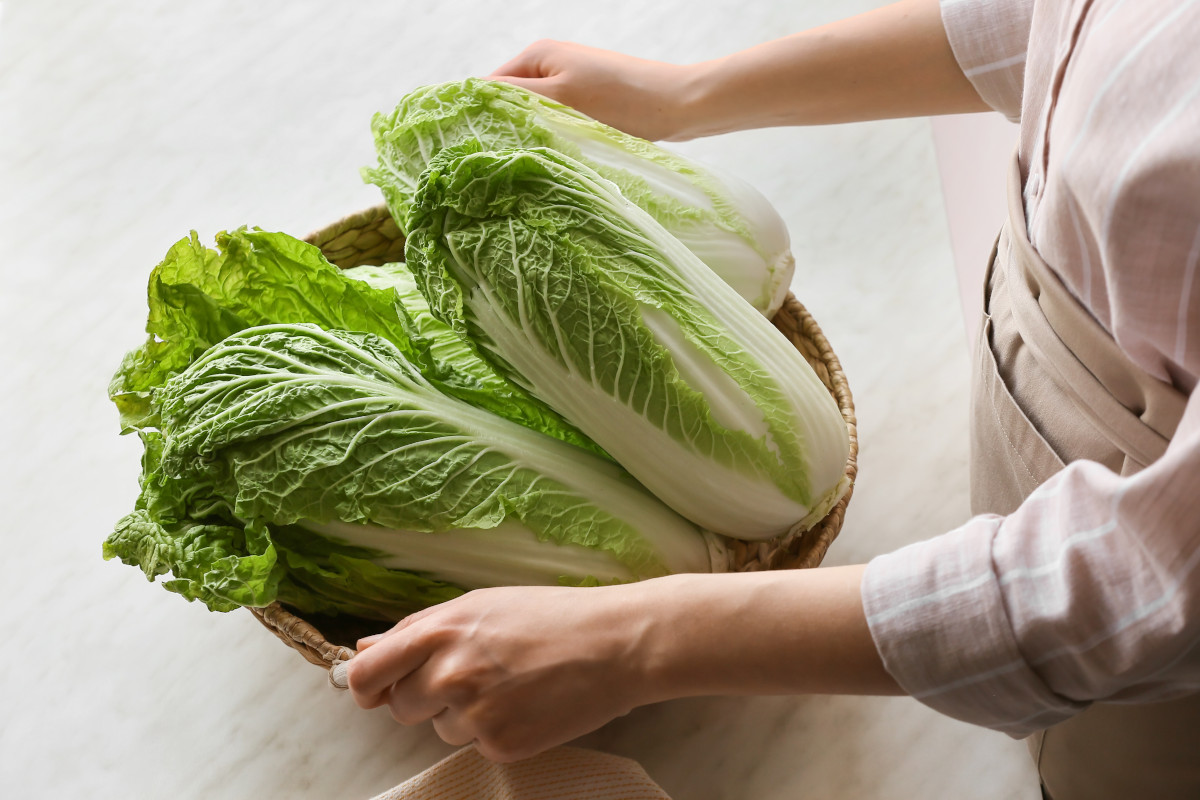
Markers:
(353, 471)
(198, 296)
(728, 224)
(579, 296)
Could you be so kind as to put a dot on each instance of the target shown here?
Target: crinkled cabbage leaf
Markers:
(582, 298)
(728, 224)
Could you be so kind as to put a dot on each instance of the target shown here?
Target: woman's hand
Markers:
(516, 670)
(644, 98)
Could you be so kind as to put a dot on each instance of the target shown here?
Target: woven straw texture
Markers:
(371, 237)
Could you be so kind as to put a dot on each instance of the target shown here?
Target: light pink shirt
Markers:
(1090, 590)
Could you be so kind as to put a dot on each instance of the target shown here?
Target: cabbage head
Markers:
(727, 223)
(583, 299)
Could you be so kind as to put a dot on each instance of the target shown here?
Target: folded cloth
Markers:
(559, 774)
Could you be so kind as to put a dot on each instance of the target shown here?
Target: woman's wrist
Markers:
(693, 112)
(778, 632)
(711, 99)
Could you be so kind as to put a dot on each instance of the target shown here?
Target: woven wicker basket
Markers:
(371, 237)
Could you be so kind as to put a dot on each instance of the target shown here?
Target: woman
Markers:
(1068, 609)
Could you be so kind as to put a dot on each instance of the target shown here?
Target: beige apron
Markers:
(1051, 386)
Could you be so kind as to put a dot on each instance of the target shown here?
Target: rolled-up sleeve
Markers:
(1089, 591)
(989, 39)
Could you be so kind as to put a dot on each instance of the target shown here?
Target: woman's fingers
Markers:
(411, 703)
(452, 728)
(538, 85)
(527, 64)
(519, 67)
(368, 641)
(372, 672)
(533, 69)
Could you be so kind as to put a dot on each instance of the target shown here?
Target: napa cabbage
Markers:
(582, 298)
(728, 224)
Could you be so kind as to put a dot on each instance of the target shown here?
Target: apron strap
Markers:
(1132, 409)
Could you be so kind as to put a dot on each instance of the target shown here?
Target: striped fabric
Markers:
(989, 41)
(1090, 590)
(563, 773)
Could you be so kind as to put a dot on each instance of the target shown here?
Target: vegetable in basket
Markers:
(728, 224)
(351, 471)
(583, 299)
(198, 296)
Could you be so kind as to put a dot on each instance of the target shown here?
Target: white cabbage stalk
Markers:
(509, 554)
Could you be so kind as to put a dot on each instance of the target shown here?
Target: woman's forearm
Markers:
(778, 632)
(894, 61)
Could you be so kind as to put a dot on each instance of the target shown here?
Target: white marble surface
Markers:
(125, 124)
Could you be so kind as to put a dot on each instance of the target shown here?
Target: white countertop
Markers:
(123, 125)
